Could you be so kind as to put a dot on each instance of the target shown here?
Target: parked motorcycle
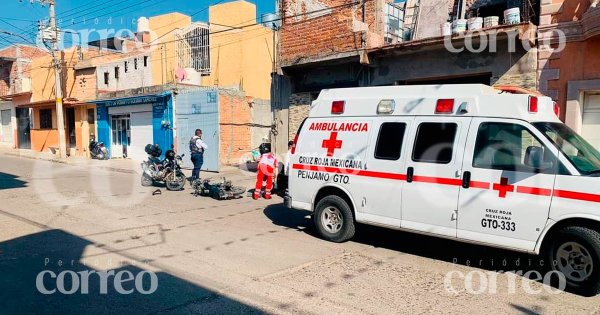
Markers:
(97, 150)
(167, 170)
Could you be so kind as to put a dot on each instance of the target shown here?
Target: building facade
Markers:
(126, 123)
(569, 67)
(380, 42)
(16, 88)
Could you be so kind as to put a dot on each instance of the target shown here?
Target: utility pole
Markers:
(53, 36)
(60, 119)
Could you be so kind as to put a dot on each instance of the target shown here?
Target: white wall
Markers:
(133, 78)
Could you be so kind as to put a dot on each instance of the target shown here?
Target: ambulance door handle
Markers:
(410, 173)
(466, 182)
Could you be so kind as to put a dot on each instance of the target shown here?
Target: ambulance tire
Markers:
(583, 248)
(334, 220)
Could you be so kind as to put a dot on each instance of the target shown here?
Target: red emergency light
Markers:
(444, 106)
(337, 107)
(556, 109)
(533, 104)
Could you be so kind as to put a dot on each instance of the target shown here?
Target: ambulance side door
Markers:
(433, 170)
(385, 167)
(509, 173)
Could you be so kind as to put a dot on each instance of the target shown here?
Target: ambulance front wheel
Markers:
(334, 220)
(575, 253)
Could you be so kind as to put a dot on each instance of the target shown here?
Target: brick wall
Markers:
(332, 31)
(10, 72)
(235, 119)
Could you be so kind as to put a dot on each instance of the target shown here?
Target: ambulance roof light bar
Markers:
(444, 106)
(337, 107)
(386, 107)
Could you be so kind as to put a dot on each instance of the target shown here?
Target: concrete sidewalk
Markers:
(122, 165)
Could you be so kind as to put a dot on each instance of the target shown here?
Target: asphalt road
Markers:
(238, 256)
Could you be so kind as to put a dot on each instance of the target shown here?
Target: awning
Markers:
(46, 103)
(133, 100)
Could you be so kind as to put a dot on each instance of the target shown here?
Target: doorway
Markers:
(121, 135)
(71, 127)
(23, 128)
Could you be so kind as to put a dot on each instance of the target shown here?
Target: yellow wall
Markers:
(164, 61)
(240, 57)
(43, 89)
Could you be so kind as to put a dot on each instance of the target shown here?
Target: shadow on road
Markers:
(22, 259)
(419, 245)
(9, 181)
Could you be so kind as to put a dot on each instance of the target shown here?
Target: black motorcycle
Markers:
(167, 170)
(97, 150)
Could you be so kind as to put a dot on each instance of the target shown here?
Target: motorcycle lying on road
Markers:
(97, 150)
(167, 170)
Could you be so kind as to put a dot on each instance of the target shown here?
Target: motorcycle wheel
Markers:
(237, 190)
(147, 180)
(175, 181)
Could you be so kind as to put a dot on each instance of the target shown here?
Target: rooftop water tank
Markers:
(143, 25)
(270, 20)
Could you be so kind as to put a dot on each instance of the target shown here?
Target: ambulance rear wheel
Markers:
(575, 253)
(334, 220)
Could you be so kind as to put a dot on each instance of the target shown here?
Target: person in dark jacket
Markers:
(197, 147)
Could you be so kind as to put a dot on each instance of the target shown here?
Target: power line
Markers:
(69, 16)
(18, 35)
(192, 15)
(244, 26)
(116, 11)
(13, 19)
(85, 5)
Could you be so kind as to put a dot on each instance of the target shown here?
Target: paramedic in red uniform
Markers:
(267, 166)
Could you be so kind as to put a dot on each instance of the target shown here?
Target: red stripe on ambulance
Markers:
(452, 182)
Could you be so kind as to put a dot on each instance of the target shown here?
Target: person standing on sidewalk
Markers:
(197, 147)
(267, 167)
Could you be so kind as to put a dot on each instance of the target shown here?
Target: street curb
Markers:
(112, 169)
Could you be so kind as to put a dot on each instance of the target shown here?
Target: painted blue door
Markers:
(199, 110)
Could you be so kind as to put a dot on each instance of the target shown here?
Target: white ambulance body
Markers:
(465, 162)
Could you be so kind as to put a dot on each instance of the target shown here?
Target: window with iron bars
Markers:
(193, 48)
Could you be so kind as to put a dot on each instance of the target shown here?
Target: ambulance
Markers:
(466, 162)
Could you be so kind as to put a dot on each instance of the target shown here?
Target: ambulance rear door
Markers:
(331, 151)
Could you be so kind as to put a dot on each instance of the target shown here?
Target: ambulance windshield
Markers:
(581, 154)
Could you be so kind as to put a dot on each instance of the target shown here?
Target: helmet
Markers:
(264, 148)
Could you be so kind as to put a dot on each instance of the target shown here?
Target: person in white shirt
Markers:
(286, 160)
(197, 147)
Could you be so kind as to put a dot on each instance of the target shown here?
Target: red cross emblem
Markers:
(503, 188)
(332, 144)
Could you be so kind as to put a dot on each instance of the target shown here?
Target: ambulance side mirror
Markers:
(534, 158)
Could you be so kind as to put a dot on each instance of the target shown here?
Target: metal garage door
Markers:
(199, 109)
(6, 134)
(591, 120)
(141, 134)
